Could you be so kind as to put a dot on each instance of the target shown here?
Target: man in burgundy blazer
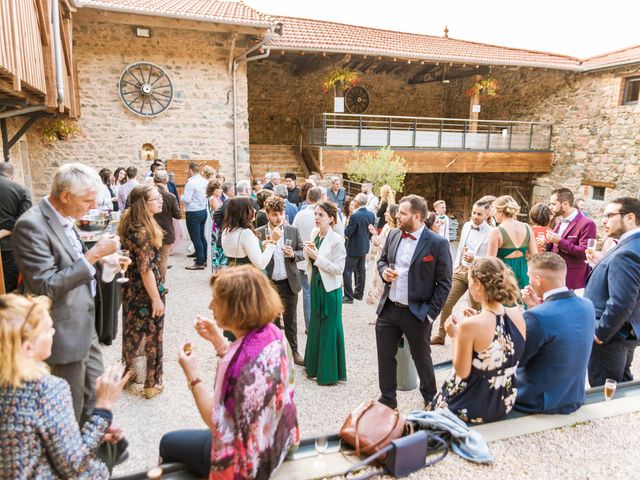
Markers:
(569, 239)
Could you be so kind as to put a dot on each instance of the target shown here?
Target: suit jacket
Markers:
(290, 264)
(614, 289)
(429, 274)
(357, 232)
(551, 372)
(14, 201)
(170, 210)
(330, 261)
(52, 267)
(572, 246)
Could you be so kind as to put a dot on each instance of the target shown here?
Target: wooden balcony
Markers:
(27, 57)
(431, 145)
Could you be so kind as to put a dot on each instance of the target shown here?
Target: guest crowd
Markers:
(547, 308)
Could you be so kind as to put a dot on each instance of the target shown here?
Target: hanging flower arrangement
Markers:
(487, 88)
(340, 78)
(58, 129)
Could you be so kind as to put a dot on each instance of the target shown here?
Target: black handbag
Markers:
(406, 455)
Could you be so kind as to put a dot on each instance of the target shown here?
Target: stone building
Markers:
(557, 121)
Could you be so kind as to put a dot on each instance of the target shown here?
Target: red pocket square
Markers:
(427, 259)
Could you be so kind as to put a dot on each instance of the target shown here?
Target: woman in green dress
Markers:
(511, 241)
(324, 357)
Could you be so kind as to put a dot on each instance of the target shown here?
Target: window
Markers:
(598, 193)
(631, 94)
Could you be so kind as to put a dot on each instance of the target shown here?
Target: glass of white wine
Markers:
(123, 262)
(609, 388)
(321, 446)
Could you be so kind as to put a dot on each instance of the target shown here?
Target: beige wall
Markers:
(198, 124)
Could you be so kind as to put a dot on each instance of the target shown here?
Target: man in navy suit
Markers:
(551, 372)
(614, 289)
(358, 236)
(416, 268)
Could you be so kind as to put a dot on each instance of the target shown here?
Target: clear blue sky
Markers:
(571, 27)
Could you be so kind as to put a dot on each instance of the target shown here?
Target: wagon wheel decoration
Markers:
(145, 89)
(356, 99)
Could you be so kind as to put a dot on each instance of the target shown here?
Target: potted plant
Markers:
(340, 79)
(58, 129)
(487, 88)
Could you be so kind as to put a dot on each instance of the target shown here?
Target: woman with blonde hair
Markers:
(485, 347)
(143, 296)
(512, 240)
(387, 198)
(251, 414)
(39, 434)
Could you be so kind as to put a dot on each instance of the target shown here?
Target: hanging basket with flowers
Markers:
(487, 89)
(340, 79)
(58, 129)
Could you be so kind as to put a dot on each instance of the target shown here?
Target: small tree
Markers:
(383, 167)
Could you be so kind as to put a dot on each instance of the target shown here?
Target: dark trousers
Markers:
(290, 317)
(358, 264)
(191, 447)
(392, 323)
(611, 360)
(10, 270)
(195, 226)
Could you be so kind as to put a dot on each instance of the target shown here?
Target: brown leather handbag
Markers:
(372, 426)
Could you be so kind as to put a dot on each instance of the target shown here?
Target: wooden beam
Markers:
(598, 183)
(51, 98)
(17, 50)
(429, 161)
(436, 75)
(43, 21)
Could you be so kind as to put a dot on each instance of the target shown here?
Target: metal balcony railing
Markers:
(350, 130)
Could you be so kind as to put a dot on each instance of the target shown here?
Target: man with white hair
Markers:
(54, 262)
(337, 194)
(267, 185)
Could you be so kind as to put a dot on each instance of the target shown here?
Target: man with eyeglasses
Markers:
(614, 289)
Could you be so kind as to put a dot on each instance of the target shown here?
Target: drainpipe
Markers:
(57, 48)
(236, 62)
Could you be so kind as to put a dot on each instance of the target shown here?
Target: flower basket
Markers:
(58, 130)
(340, 79)
(487, 89)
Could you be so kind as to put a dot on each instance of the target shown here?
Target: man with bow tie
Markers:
(473, 243)
(415, 266)
(569, 240)
(614, 289)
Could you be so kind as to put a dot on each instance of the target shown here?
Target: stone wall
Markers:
(279, 100)
(198, 124)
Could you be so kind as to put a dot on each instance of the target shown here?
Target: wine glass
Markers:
(123, 261)
(592, 244)
(609, 388)
(321, 446)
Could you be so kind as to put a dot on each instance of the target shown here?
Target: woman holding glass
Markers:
(251, 414)
(324, 357)
(143, 296)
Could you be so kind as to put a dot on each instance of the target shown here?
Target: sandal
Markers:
(150, 392)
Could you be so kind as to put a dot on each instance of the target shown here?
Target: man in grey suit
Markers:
(283, 270)
(54, 262)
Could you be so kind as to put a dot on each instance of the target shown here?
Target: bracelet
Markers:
(194, 382)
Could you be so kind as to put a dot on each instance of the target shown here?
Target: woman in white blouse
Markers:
(239, 241)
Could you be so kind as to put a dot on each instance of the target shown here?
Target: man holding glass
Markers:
(54, 262)
(614, 289)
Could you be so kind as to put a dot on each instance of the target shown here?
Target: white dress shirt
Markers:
(279, 269)
(372, 203)
(566, 221)
(474, 238)
(399, 291)
(553, 291)
(195, 194)
(443, 231)
(68, 223)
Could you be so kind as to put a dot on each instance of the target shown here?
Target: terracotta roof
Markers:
(234, 13)
(612, 59)
(319, 35)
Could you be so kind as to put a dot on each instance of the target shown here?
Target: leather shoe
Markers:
(347, 300)
(297, 359)
(357, 298)
(191, 255)
(437, 341)
(195, 266)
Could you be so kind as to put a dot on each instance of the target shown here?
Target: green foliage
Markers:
(382, 167)
(58, 129)
(343, 77)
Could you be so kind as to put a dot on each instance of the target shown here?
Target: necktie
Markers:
(408, 235)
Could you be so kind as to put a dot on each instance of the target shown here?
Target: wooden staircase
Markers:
(276, 158)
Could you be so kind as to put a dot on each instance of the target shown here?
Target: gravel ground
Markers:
(591, 450)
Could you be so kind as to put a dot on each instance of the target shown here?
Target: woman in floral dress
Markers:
(214, 194)
(486, 347)
(143, 295)
(251, 415)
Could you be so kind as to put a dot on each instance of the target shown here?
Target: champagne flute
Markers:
(123, 261)
(321, 446)
(592, 243)
(609, 388)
